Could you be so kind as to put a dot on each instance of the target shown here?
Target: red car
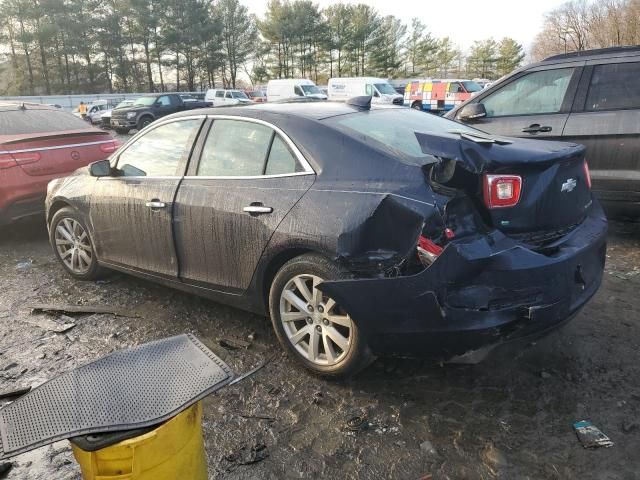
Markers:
(37, 144)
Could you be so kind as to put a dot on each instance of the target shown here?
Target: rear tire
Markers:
(417, 106)
(310, 325)
(72, 245)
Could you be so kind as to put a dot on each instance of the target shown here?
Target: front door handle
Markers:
(153, 204)
(537, 128)
(257, 209)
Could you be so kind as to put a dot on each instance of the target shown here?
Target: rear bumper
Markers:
(480, 292)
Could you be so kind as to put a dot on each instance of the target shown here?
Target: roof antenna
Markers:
(363, 102)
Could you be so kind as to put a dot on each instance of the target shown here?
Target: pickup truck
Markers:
(149, 108)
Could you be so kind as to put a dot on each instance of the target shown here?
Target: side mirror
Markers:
(101, 168)
(471, 112)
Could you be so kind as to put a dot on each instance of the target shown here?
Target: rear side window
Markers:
(533, 94)
(219, 94)
(235, 148)
(613, 87)
(281, 161)
(159, 152)
(29, 121)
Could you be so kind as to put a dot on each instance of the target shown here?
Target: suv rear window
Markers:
(613, 87)
(17, 122)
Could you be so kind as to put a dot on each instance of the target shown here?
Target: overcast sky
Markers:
(462, 20)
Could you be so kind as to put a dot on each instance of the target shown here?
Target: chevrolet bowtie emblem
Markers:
(569, 185)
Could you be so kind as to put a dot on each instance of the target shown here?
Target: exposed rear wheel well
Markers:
(274, 266)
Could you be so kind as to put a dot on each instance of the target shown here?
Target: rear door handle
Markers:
(257, 209)
(536, 128)
(155, 204)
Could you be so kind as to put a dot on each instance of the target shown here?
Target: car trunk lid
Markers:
(57, 153)
(555, 192)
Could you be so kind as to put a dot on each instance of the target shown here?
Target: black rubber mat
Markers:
(128, 389)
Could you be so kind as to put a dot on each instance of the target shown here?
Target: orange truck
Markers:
(438, 96)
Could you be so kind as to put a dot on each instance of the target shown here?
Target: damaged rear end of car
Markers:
(510, 244)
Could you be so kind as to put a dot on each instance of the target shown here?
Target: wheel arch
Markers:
(57, 205)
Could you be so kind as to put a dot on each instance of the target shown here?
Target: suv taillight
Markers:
(7, 161)
(109, 147)
(587, 175)
(501, 191)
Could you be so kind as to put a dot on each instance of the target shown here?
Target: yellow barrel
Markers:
(174, 450)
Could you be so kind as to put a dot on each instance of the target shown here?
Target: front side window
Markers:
(385, 88)
(614, 86)
(159, 152)
(235, 148)
(165, 101)
(228, 95)
(535, 93)
(298, 91)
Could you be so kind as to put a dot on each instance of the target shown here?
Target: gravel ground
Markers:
(508, 417)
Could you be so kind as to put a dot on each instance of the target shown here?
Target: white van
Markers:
(220, 97)
(288, 88)
(379, 89)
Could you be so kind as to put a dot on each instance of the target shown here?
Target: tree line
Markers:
(583, 24)
(92, 46)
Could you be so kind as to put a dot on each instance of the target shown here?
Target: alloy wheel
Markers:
(314, 324)
(73, 245)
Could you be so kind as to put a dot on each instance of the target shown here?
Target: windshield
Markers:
(311, 90)
(257, 93)
(240, 95)
(125, 103)
(472, 87)
(146, 101)
(394, 129)
(385, 88)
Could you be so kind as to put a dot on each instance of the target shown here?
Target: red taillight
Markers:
(7, 161)
(427, 250)
(25, 158)
(502, 190)
(109, 147)
(587, 175)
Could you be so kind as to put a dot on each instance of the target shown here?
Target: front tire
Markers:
(143, 122)
(72, 245)
(310, 325)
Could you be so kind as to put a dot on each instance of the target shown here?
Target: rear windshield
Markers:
(394, 129)
(16, 122)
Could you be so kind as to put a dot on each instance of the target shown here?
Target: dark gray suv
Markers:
(590, 97)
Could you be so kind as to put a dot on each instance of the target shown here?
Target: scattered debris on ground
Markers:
(71, 309)
(591, 436)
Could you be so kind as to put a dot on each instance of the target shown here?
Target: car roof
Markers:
(9, 106)
(624, 51)
(313, 110)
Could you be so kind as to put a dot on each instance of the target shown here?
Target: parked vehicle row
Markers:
(148, 108)
(591, 98)
(360, 230)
